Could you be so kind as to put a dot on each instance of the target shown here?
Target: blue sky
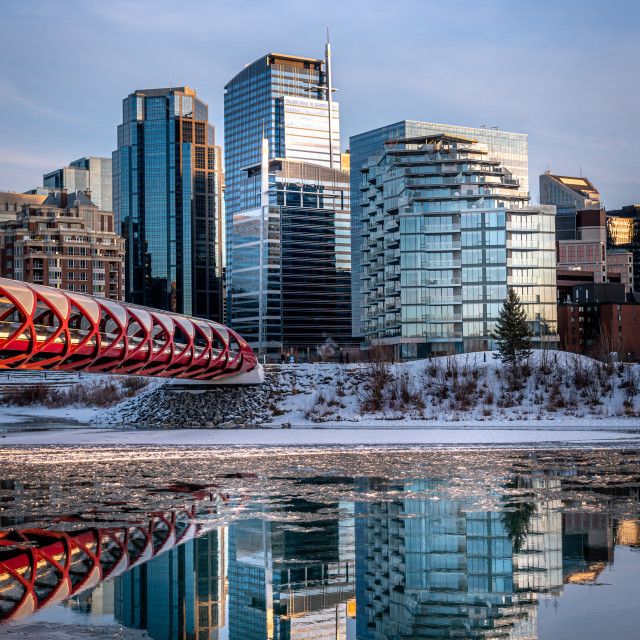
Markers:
(565, 72)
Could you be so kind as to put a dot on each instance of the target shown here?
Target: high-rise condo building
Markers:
(286, 100)
(86, 173)
(449, 568)
(446, 230)
(288, 246)
(510, 148)
(569, 194)
(167, 193)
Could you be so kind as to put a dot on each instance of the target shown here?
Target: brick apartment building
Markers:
(64, 242)
(587, 256)
(599, 319)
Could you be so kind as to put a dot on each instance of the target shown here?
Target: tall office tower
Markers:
(167, 193)
(180, 594)
(286, 100)
(510, 148)
(291, 281)
(445, 231)
(569, 194)
(287, 206)
(623, 233)
(86, 173)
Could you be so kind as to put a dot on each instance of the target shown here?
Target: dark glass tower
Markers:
(167, 198)
(283, 99)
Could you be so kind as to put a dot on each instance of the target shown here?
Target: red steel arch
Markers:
(39, 567)
(46, 328)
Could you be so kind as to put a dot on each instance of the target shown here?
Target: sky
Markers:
(566, 72)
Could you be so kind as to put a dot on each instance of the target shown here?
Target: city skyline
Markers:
(574, 126)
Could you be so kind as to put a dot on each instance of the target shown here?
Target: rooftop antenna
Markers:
(327, 57)
(581, 171)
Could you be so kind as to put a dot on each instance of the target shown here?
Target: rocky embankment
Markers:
(471, 388)
(168, 407)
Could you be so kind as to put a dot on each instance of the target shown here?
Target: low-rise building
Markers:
(66, 242)
(600, 319)
(587, 252)
(623, 232)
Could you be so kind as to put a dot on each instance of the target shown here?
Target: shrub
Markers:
(20, 396)
(133, 384)
(377, 389)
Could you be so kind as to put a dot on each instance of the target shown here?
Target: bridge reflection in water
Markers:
(411, 559)
(46, 328)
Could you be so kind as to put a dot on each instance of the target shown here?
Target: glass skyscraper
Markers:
(283, 99)
(288, 584)
(287, 206)
(167, 196)
(445, 230)
(179, 594)
(291, 277)
(510, 148)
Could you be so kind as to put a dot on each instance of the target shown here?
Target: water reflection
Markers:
(470, 551)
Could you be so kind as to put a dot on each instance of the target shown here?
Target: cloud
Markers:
(11, 96)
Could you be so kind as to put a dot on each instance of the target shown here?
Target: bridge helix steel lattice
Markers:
(46, 328)
(39, 568)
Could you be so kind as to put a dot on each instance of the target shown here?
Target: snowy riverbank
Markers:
(464, 391)
(522, 436)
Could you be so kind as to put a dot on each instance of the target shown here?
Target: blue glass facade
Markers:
(510, 148)
(442, 568)
(180, 594)
(292, 272)
(285, 583)
(282, 99)
(445, 230)
(167, 178)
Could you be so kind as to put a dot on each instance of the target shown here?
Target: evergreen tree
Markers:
(513, 334)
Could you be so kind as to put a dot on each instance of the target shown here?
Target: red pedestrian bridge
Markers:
(39, 568)
(46, 328)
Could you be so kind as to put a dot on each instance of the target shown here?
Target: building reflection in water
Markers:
(415, 559)
(291, 579)
(438, 567)
(180, 595)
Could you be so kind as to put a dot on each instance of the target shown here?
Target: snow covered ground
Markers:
(471, 435)
(468, 392)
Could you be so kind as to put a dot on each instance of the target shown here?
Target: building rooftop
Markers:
(273, 58)
(430, 139)
(164, 91)
(580, 185)
(74, 198)
(10, 197)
